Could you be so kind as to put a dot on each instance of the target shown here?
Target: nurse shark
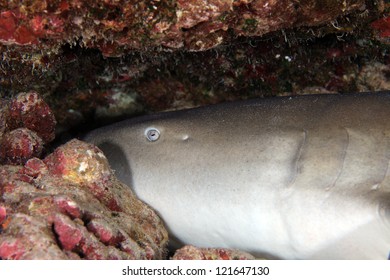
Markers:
(304, 177)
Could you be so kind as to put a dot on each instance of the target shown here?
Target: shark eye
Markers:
(152, 134)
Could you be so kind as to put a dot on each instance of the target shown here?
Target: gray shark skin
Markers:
(303, 177)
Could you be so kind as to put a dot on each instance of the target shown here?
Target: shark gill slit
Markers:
(343, 157)
(386, 178)
(297, 158)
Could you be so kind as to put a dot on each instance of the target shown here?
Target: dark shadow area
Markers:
(118, 162)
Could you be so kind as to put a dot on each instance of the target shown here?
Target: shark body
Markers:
(304, 177)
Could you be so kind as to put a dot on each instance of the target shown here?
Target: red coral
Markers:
(68, 233)
(13, 29)
(68, 206)
(28, 237)
(3, 214)
(85, 164)
(19, 145)
(24, 122)
(23, 35)
(382, 26)
(105, 232)
(29, 110)
(7, 25)
(194, 253)
(12, 250)
(123, 24)
(56, 163)
(34, 167)
(15, 26)
(57, 216)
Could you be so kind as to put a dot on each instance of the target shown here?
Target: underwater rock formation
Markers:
(190, 252)
(70, 206)
(26, 125)
(116, 26)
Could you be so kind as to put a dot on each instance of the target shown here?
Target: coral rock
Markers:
(28, 237)
(69, 235)
(190, 252)
(3, 117)
(19, 145)
(29, 110)
(105, 233)
(84, 164)
(382, 26)
(79, 162)
(113, 26)
(26, 124)
(70, 206)
(373, 77)
(3, 214)
(35, 167)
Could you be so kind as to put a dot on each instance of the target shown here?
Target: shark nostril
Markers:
(152, 134)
